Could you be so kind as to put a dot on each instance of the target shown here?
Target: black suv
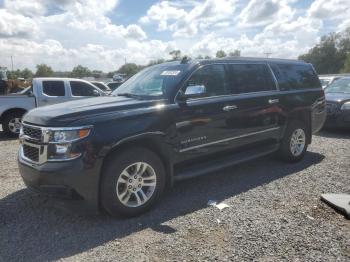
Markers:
(170, 121)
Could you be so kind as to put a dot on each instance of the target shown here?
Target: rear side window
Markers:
(294, 77)
(212, 78)
(54, 88)
(247, 78)
(82, 89)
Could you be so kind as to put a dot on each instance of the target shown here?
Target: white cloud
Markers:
(15, 25)
(25, 7)
(329, 9)
(201, 16)
(262, 12)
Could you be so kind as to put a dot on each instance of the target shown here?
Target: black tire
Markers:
(115, 165)
(285, 150)
(6, 120)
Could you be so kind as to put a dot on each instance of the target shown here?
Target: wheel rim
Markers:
(297, 142)
(136, 184)
(15, 125)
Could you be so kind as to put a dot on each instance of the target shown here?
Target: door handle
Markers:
(273, 101)
(229, 108)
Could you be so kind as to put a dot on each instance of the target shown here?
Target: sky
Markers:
(103, 34)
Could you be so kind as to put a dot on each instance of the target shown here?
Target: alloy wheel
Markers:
(297, 142)
(136, 184)
(15, 125)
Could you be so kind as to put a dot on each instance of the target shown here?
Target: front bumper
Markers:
(69, 179)
(339, 120)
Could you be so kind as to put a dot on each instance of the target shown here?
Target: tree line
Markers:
(128, 69)
(331, 55)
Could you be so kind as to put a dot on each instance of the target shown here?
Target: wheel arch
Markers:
(12, 110)
(154, 142)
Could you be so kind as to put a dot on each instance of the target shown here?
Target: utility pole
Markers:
(125, 60)
(12, 63)
(268, 54)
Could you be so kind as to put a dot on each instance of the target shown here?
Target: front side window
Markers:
(247, 78)
(210, 79)
(82, 89)
(294, 76)
(54, 88)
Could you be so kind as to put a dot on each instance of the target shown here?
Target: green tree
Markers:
(328, 56)
(220, 54)
(176, 54)
(43, 70)
(346, 68)
(97, 73)
(26, 73)
(129, 69)
(80, 71)
(236, 53)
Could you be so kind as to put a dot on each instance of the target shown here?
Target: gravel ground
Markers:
(275, 214)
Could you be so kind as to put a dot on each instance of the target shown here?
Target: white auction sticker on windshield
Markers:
(170, 73)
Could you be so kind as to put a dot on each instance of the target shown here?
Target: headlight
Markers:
(345, 106)
(60, 143)
(65, 136)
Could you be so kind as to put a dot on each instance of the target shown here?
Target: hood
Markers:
(64, 113)
(337, 97)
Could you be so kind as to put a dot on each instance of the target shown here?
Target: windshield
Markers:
(339, 86)
(154, 81)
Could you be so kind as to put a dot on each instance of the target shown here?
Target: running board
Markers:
(215, 165)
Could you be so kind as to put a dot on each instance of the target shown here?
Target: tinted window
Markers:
(212, 78)
(54, 88)
(246, 78)
(293, 76)
(82, 89)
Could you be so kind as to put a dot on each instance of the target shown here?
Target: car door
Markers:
(80, 89)
(255, 114)
(52, 92)
(201, 120)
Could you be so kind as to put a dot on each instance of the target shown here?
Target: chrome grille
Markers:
(32, 153)
(32, 132)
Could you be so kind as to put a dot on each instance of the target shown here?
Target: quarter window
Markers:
(247, 78)
(82, 89)
(212, 78)
(292, 76)
(54, 88)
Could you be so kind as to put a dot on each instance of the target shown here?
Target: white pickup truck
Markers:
(44, 91)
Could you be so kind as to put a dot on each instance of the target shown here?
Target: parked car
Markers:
(102, 86)
(169, 122)
(326, 80)
(114, 85)
(338, 103)
(44, 91)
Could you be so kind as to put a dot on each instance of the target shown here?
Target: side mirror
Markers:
(191, 92)
(96, 93)
(194, 91)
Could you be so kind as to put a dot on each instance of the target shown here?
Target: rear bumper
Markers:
(69, 180)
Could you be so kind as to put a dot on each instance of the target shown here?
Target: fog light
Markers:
(62, 149)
